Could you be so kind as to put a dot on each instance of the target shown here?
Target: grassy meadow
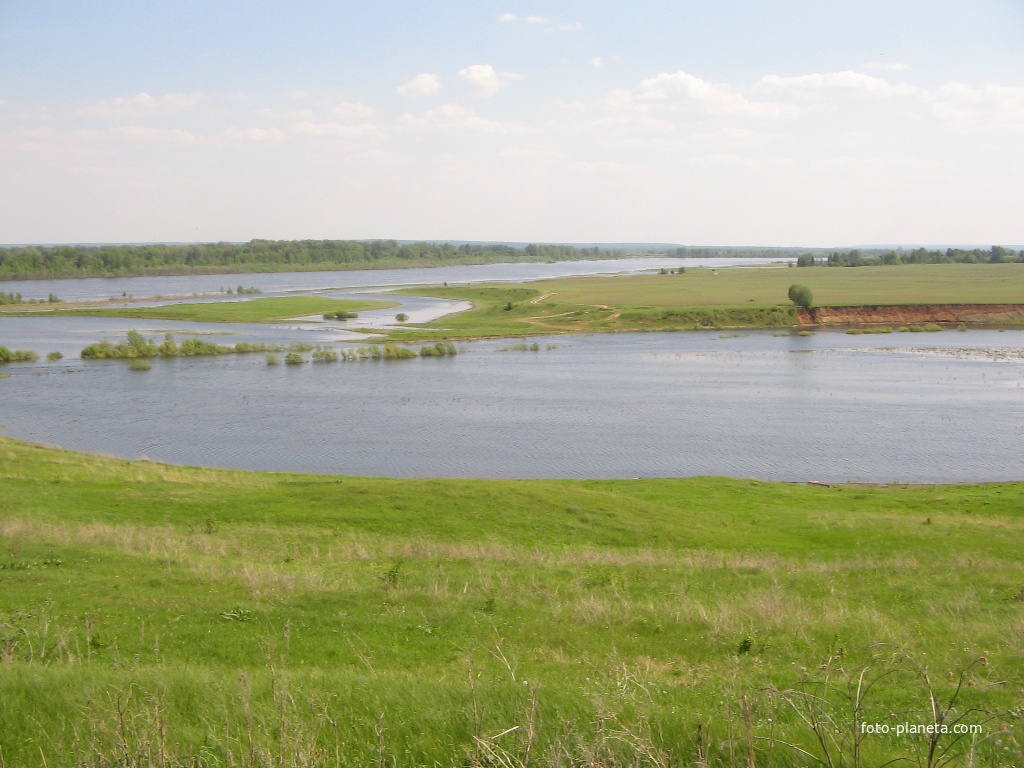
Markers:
(159, 615)
(754, 297)
(266, 310)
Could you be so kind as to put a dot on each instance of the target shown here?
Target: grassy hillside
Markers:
(766, 286)
(157, 615)
(701, 298)
(268, 310)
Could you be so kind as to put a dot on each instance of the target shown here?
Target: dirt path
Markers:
(541, 298)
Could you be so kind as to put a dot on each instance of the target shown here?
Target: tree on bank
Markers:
(801, 296)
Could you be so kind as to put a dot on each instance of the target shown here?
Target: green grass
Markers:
(202, 616)
(702, 298)
(268, 310)
(831, 286)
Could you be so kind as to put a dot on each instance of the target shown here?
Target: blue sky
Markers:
(775, 123)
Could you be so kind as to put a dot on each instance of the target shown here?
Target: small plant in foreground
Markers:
(294, 358)
(401, 317)
(139, 364)
(272, 359)
(54, 356)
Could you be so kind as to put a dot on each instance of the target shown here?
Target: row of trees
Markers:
(994, 255)
(263, 256)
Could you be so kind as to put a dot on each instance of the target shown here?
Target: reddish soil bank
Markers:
(907, 314)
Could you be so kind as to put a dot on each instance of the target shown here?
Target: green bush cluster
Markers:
(340, 315)
(441, 349)
(522, 347)
(872, 329)
(136, 346)
(325, 355)
(17, 355)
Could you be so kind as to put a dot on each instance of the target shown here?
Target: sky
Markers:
(699, 122)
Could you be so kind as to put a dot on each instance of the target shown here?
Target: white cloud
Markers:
(352, 111)
(681, 90)
(483, 80)
(452, 117)
(423, 85)
(990, 102)
(848, 81)
(144, 105)
(886, 66)
(154, 135)
(254, 135)
(547, 24)
(597, 62)
(335, 130)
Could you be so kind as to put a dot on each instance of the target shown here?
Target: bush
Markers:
(394, 352)
(401, 317)
(324, 355)
(54, 356)
(801, 296)
(294, 358)
(272, 359)
(134, 346)
(139, 365)
(441, 349)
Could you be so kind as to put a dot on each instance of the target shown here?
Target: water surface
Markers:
(944, 407)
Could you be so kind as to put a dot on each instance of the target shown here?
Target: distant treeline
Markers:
(994, 255)
(35, 262)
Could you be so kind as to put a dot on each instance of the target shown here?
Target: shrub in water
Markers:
(272, 359)
(854, 331)
(401, 317)
(294, 358)
(54, 356)
(139, 364)
(395, 352)
(324, 355)
(441, 349)
(198, 347)
(932, 328)
(134, 346)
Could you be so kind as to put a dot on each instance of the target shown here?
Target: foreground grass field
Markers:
(702, 298)
(158, 615)
(268, 310)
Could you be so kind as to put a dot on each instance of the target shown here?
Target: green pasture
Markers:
(161, 615)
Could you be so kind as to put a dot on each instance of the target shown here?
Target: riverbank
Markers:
(977, 315)
(180, 614)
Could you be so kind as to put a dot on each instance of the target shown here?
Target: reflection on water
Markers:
(627, 405)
